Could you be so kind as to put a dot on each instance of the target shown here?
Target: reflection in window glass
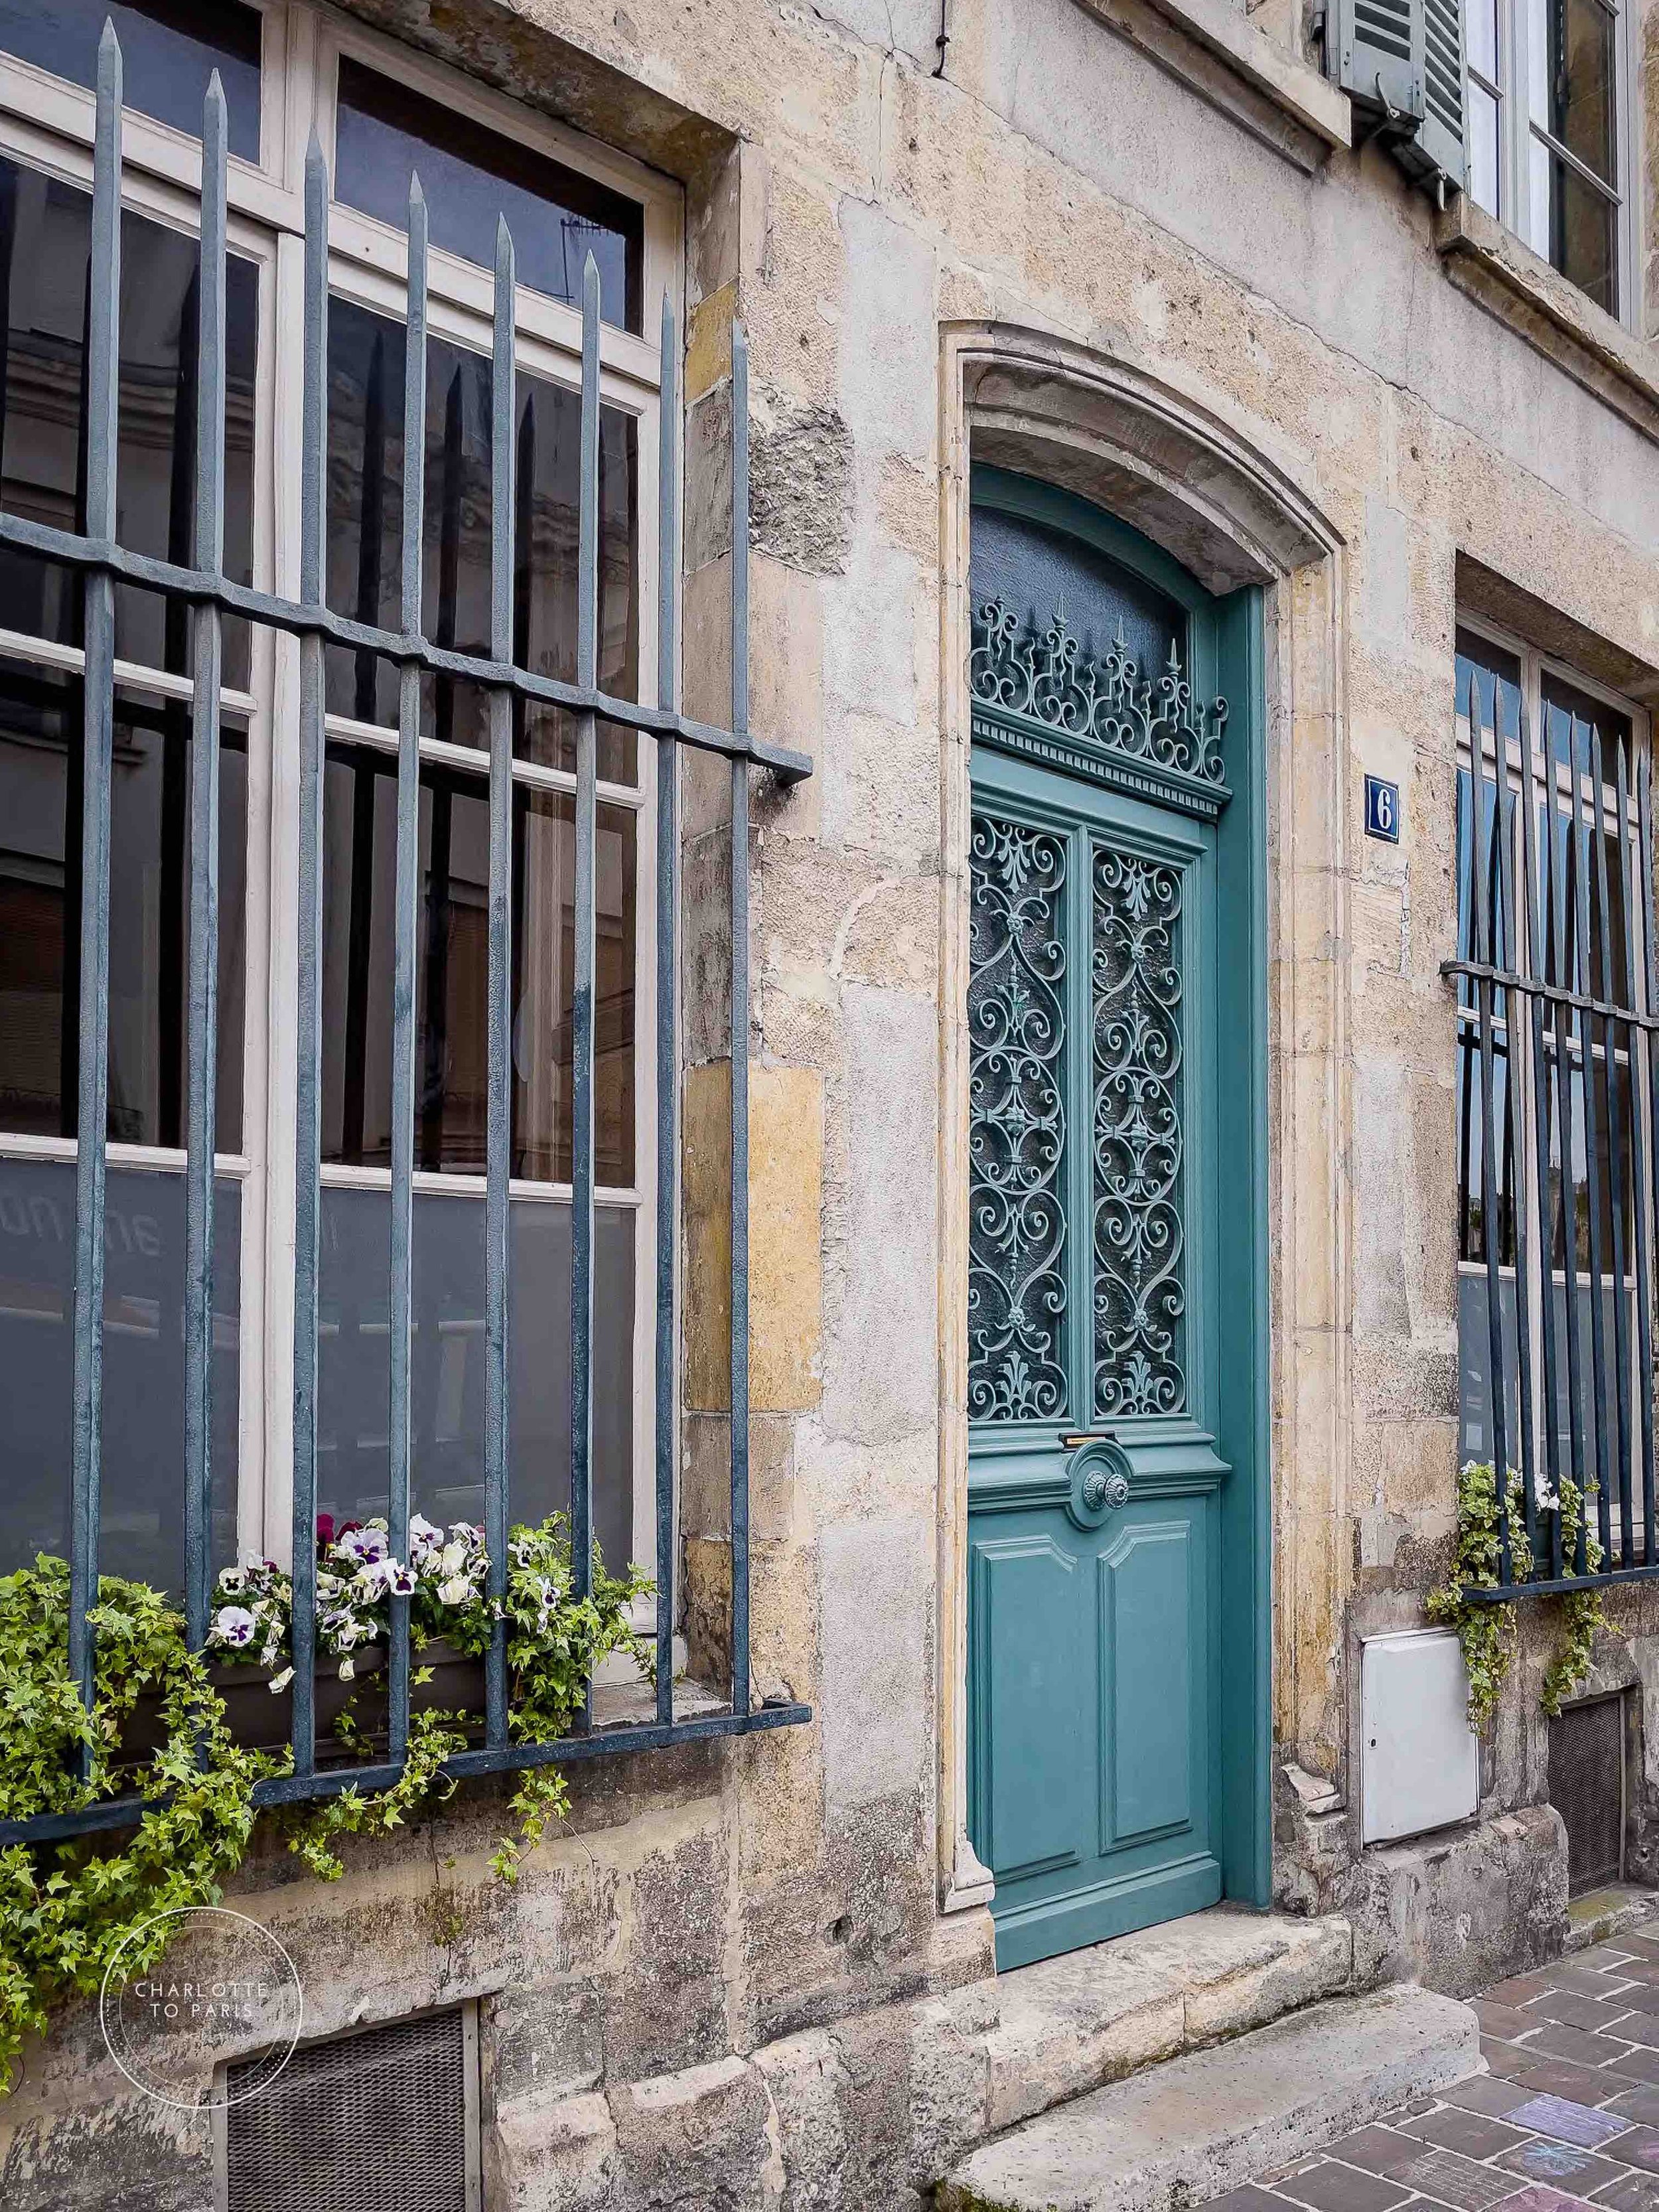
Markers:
(1025, 564)
(1482, 120)
(452, 968)
(45, 232)
(1571, 80)
(169, 49)
(1476, 1433)
(448, 1375)
(1575, 226)
(471, 176)
(143, 1490)
(1571, 86)
(41, 737)
(365, 479)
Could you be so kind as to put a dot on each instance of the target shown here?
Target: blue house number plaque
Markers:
(1382, 810)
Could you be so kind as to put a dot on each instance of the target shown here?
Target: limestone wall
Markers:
(1060, 186)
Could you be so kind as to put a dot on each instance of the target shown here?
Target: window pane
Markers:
(1480, 32)
(453, 969)
(1041, 575)
(471, 176)
(40, 741)
(169, 49)
(1570, 78)
(1604, 1164)
(1483, 148)
(1575, 226)
(366, 374)
(1496, 943)
(143, 1521)
(45, 231)
(1477, 1434)
(1472, 1240)
(448, 1370)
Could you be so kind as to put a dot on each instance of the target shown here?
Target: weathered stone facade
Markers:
(1126, 245)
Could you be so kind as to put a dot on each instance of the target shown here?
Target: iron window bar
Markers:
(1542, 968)
(210, 595)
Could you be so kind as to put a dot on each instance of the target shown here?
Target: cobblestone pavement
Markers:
(1568, 2116)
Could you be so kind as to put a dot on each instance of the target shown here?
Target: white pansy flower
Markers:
(456, 1591)
(280, 1682)
(234, 1625)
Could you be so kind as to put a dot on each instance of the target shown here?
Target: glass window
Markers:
(365, 501)
(40, 727)
(1542, 131)
(1558, 1122)
(46, 244)
(169, 49)
(452, 956)
(472, 176)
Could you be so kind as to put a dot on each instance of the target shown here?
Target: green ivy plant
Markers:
(1488, 1632)
(68, 1906)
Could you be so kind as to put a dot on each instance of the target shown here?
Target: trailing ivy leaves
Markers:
(1487, 1632)
(66, 1907)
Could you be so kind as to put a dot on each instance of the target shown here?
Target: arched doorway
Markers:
(1116, 1326)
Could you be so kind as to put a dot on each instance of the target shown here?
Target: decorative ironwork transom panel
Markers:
(1140, 1295)
(1017, 1126)
(1101, 716)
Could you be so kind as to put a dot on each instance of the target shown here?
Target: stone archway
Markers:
(1120, 437)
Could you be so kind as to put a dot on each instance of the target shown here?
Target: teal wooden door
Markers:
(1100, 1054)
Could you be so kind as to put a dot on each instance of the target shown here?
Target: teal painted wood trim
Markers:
(1053, 1924)
(1244, 1370)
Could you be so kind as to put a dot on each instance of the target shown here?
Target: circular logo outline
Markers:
(213, 2100)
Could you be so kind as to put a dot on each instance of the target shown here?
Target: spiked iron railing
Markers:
(102, 562)
(1560, 981)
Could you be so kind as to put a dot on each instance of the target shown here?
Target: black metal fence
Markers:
(1558, 990)
(209, 596)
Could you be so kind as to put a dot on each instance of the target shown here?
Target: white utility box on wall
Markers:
(1419, 1758)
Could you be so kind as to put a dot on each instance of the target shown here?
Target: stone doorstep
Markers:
(1070, 2024)
(1207, 2122)
(948, 2072)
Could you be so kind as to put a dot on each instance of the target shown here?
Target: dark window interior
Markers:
(46, 234)
(471, 176)
(1041, 572)
(169, 49)
(365, 525)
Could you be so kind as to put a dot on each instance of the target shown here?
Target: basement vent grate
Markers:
(380, 2122)
(1587, 1788)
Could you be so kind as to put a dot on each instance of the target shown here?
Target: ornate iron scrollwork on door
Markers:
(1017, 1124)
(1126, 718)
(1139, 1297)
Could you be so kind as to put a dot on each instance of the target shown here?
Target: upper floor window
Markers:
(1548, 135)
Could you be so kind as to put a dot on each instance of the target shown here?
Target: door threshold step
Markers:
(1210, 2120)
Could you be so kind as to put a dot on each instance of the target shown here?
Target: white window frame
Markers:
(1555, 779)
(46, 123)
(1517, 133)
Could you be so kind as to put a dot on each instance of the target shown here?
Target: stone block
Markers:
(881, 1359)
(1460, 1911)
(699, 2140)
(804, 2079)
(786, 1181)
(551, 2155)
(874, 1596)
